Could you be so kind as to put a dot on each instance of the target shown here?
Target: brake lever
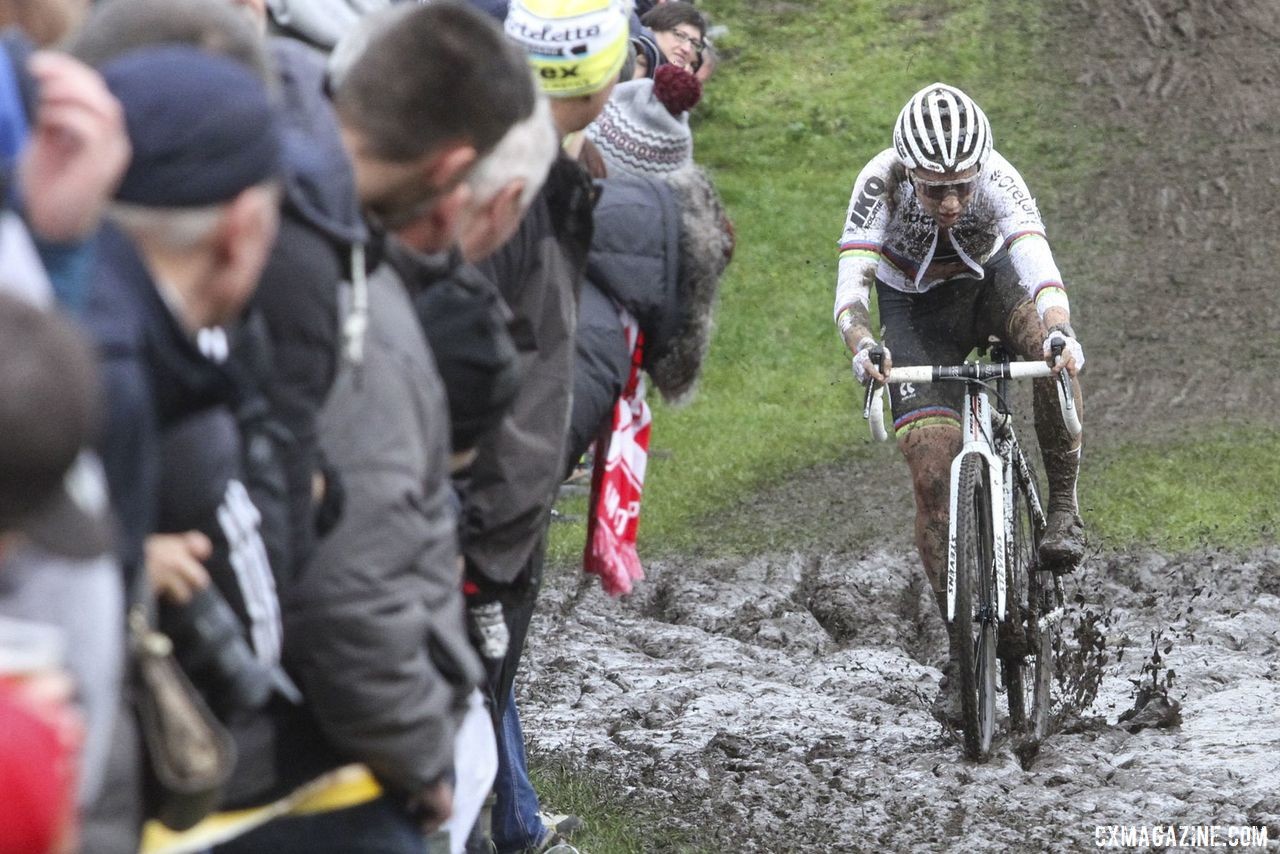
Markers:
(1066, 392)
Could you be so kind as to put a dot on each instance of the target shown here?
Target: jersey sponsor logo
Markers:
(1008, 185)
(867, 201)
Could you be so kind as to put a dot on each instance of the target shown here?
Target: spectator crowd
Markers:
(307, 309)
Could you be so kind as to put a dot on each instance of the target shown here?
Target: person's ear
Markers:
(448, 167)
(495, 223)
(448, 215)
(506, 205)
(243, 240)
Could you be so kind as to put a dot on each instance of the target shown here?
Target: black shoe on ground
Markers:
(1062, 547)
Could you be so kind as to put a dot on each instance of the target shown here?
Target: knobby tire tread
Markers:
(969, 575)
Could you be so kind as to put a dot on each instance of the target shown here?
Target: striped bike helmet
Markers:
(941, 129)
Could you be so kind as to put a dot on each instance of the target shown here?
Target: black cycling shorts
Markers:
(941, 327)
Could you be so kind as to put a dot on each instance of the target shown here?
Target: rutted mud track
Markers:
(781, 703)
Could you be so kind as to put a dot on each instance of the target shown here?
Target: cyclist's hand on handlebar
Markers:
(1072, 357)
(865, 361)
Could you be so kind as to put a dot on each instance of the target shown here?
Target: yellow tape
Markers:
(343, 788)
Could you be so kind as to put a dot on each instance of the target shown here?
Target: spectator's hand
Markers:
(78, 151)
(863, 365)
(175, 564)
(433, 806)
(1072, 353)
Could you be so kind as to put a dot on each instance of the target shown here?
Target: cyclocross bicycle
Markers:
(998, 594)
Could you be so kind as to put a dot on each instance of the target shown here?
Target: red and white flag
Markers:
(617, 480)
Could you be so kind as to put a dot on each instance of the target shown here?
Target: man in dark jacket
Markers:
(193, 219)
(373, 627)
(509, 490)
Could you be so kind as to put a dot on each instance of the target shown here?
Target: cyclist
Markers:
(947, 232)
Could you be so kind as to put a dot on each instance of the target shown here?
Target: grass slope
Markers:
(806, 95)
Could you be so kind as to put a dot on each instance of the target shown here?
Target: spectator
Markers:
(54, 528)
(509, 490)
(383, 586)
(661, 243)
(680, 31)
(194, 216)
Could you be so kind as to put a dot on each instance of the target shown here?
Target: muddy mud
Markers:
(781, 702)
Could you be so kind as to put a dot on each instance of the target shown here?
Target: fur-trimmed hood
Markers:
(659, 250)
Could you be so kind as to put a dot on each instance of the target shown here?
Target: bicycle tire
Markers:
(1017, 648)
(1047, 601)
(974, 622)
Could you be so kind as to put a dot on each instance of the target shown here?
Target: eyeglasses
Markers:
(698, 45)
(938, 191)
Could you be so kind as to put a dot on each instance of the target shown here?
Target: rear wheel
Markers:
(1048, 613)
(1017, 650)
(975, 621)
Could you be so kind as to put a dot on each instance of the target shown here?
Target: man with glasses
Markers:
(680, 31)
(949, 235)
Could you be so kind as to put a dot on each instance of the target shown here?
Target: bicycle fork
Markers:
(976, 429)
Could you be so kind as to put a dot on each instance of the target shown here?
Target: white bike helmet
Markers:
(941, 129)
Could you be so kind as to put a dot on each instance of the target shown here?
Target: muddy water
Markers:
(781, 704)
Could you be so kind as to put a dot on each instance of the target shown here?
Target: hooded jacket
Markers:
(658, 251)
(296, 303)
(374, 630)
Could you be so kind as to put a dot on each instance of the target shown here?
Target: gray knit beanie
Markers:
(644, 128)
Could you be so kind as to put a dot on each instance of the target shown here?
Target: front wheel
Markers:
(975, 618)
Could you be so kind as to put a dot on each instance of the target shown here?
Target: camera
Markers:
(213, 652)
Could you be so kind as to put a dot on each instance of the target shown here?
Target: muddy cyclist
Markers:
(945, 230)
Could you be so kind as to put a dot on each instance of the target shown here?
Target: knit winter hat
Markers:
(644, 129)
(576, 47)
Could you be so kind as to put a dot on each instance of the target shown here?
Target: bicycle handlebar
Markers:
(873, 406)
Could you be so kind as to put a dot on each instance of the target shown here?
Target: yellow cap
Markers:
(576, 47)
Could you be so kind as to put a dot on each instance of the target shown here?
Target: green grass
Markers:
(806, 95)
(614, 824)
(1220, 491)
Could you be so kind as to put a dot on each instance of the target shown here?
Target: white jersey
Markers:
(889, 236)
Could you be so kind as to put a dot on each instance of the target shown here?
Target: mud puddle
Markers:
(781, 703)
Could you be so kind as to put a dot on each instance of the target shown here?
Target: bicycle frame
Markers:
(989, 445)
(979, 440)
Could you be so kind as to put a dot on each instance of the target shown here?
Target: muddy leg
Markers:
(1059, 449)
(1063, 544)
(929, 451)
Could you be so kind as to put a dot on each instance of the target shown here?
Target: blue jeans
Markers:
(378, 827)
(516, 823)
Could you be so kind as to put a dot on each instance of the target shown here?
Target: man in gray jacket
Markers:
(374, 628)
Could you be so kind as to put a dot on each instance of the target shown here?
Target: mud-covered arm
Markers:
(1023, 233)
(865, 224)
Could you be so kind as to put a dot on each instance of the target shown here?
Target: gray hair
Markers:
(526, 151)
(177, 229)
